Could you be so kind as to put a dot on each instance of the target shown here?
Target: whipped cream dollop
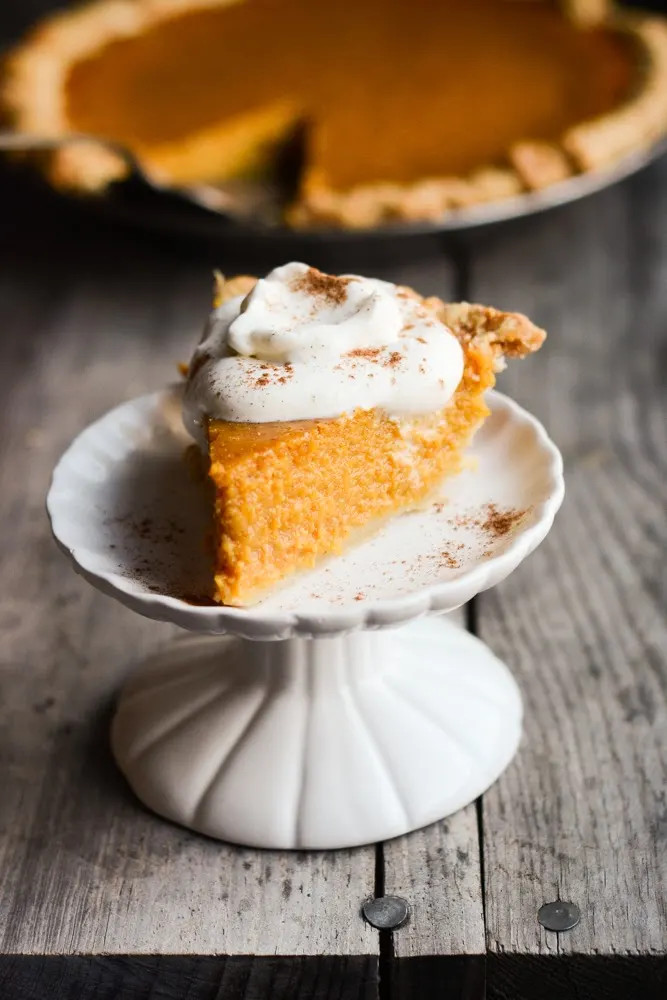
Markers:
(303, 345)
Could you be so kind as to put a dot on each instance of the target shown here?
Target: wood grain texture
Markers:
(438, 871)
(581, 813)
(442, 946)
(85, 868)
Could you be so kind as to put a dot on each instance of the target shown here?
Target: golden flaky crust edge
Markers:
(476, 327)
(32, 95)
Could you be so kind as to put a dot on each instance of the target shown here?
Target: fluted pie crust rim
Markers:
(32, 94)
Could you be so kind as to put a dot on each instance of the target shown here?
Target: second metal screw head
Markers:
(387, 913)
(559, 915)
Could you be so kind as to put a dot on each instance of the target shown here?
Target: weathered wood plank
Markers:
(438, 871)
(86, 868)
(580, 814)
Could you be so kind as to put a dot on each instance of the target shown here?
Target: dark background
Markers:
(17, 15)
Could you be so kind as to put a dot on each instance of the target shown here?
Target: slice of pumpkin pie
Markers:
(328, 404)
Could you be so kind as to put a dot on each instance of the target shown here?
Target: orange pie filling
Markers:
(395, 93)
(288, 494)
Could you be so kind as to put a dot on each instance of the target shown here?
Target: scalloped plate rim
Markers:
(253, 623)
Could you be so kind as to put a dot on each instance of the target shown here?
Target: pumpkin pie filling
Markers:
(440, 87)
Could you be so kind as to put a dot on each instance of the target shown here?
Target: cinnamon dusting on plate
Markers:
(500, 522)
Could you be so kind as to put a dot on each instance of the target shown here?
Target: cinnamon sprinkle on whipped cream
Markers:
(303, 345)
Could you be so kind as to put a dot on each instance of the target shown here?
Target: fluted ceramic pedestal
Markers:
(340, 714)
(316, 743)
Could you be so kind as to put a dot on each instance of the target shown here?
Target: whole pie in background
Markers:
(380, 110)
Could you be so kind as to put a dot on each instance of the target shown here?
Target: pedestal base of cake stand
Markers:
(317, 743)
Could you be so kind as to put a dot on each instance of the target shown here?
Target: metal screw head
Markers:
(559, 915)
(386, 912)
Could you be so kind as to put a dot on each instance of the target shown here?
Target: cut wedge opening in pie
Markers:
(403, 110)
(290, 491)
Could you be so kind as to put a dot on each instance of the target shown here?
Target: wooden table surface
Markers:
(99, 898)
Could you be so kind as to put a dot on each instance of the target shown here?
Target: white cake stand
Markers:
(312, 728)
